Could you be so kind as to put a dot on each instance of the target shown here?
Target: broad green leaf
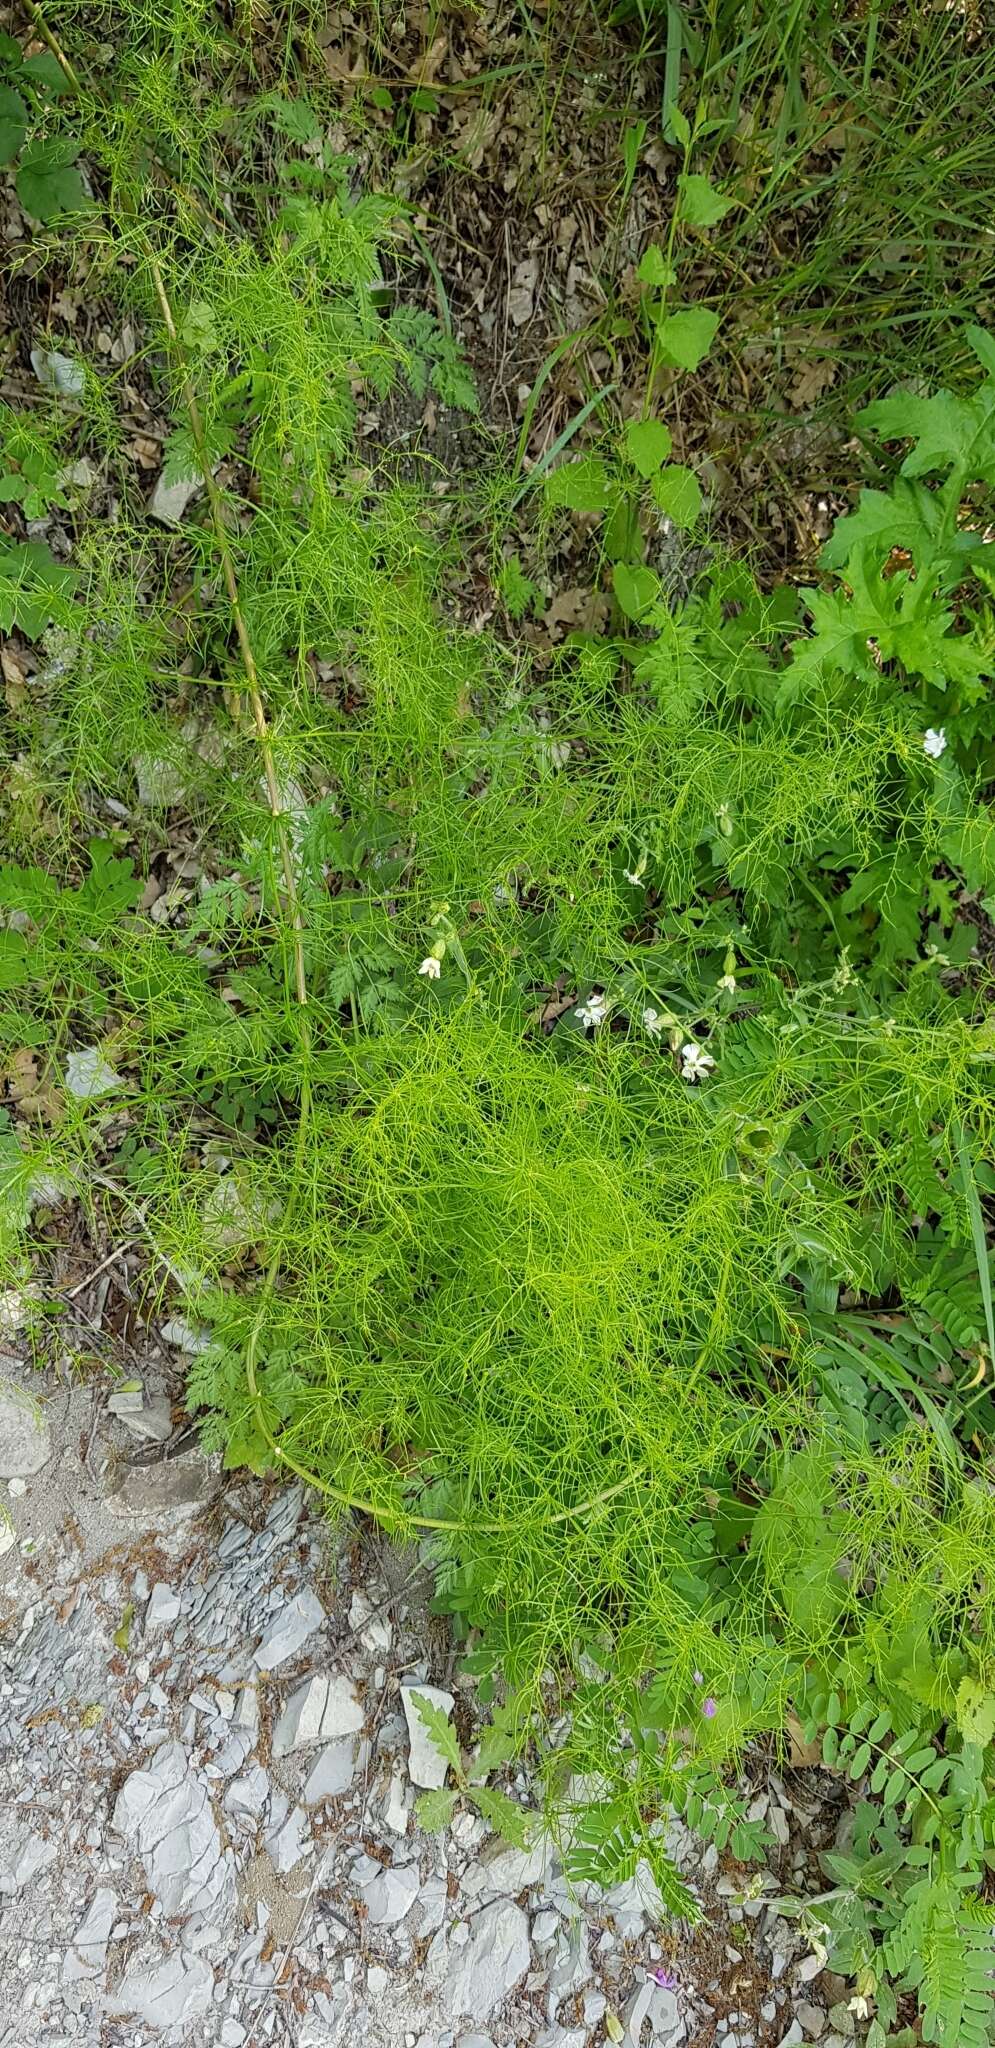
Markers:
(45, 72)
(908, 516)
(654, 268)
(983, 345)
(975, 1712)
(647, 444)
(48, 185)
(678, 124)
(440, 1729)
(685, 338)
(33, 586)
(435, 1809)
(584, 486)
(14, 962)
(947, 431)
(678, 494)
(13, 123)
(701, 205)
(636, 589)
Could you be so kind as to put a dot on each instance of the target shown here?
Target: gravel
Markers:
(209, 1762)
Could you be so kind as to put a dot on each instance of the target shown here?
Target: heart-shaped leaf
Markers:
(684, 338)
(701, 205)
(48, 185)
(678, 494)
(635, 588)
(647, 445)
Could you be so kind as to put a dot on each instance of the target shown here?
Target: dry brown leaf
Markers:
(812, 380)
(31, 1091)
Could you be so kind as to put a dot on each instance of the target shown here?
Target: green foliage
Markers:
(615, 1213)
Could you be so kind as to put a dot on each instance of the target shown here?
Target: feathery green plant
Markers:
(581, 1069)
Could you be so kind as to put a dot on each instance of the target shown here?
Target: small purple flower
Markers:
(665, 1978)
(709, 1708)
(699, 1677)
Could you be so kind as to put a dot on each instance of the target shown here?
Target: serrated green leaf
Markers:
(507, 1818)
(647, 444)
(13, 123)
(439, 1728)
(655, 270)
(684, 338)
(435, 1809)
(975, 1708)
(584, 486)
(45, 72)
(701, 206)
(678, 494)
(48, 185)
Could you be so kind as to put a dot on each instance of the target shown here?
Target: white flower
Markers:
(859, 2005)
(695, 1062)
(653, 1022)
(728, 982)
(635, 875)
(934, 742)
(432, 967)
(594, 1011)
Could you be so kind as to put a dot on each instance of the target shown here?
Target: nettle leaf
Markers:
(584, 486)
(636, 589)
(647, 445)
(13, 123)
(435, 1809)
(701, 205)
(47, 183)
(678, 494)
(684, 338)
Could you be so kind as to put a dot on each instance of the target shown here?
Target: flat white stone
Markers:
(166, 1995)
(25, 1437)
(495, 1957)
(289, 1631)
